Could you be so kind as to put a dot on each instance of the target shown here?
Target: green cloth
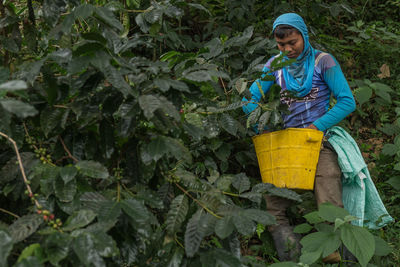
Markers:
(360, 197)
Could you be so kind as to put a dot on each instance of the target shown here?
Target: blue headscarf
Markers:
(299, 75)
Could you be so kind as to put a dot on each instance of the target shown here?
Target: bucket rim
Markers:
(288, 130)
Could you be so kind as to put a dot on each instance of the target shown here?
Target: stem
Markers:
(21, 166)
(127, 189)
(230, 194)
(60, 106)
(135, 11)
(179, 243)
(198, 202)
(67, 150)
(9, 212)
(118, 192)
(223, 85)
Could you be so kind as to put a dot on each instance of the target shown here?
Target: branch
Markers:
(9, 212)
(21, 167)
(67, 150)
(198, 202)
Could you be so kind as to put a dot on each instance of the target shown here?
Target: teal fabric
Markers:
(299, 75)
(360, 197)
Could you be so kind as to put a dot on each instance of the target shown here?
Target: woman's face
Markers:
(292, 43)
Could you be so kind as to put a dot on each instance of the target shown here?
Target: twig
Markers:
(9, 212)
(223, 85)
(179, 243)
(118, 192)
(127, 189)
(60, 106)
(198, 202)
(135, 11)
(21, 166)
(67, 150)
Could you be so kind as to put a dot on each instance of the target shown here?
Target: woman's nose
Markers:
(287, 48)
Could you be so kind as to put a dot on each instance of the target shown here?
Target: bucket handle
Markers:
(313, 138)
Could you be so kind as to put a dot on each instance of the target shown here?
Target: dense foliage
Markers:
(124, 143)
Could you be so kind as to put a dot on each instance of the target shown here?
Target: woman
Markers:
(312, 79)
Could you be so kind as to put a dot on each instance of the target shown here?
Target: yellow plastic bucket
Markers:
(288, 158)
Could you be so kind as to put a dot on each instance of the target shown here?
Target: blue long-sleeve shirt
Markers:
(313, 108)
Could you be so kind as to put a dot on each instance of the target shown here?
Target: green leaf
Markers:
(6, 245)
(19, 108)
(136, 210)
(109, 211)
(224, 181)
(107, 139)
(30, 261)
(24, 227)
(83, 11)
(150, 198)
(92, 169)
(57, 246)
(381, 87)
(32, 250)
(323, 242)
(92, 200)
(229, 124)
(223, 258)
(275, 191)
(384, 95)
(157, 148)
(310, 257)
(194, 234)
(224, 227)
(14, 85)
(241, 182)
(68, 173)
(262, 122)
(177, 214)
(329, 212)
(284, 264)
(242, 39)
(313, 217)
(79, 219)
(260, 216)
(105, 245)
(302, 228)
(390, 149)
(199, 76)
(252, 119)
(381, 247)
(117, 80)
(359, 241)
(363, 94)
(108, 17)
(200, 7)
(395, 182)
(149, 104)
(176, 259)
(338, 223)
(255, 197)
(84, 248)
(243, 224)
(50, 118)
(65, 192)
(177, 149)
(169, 108)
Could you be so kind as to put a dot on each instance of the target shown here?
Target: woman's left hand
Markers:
(312, 126)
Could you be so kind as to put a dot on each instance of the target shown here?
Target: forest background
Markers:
(124, 143)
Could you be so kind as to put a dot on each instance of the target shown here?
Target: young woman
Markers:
(312, 78)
